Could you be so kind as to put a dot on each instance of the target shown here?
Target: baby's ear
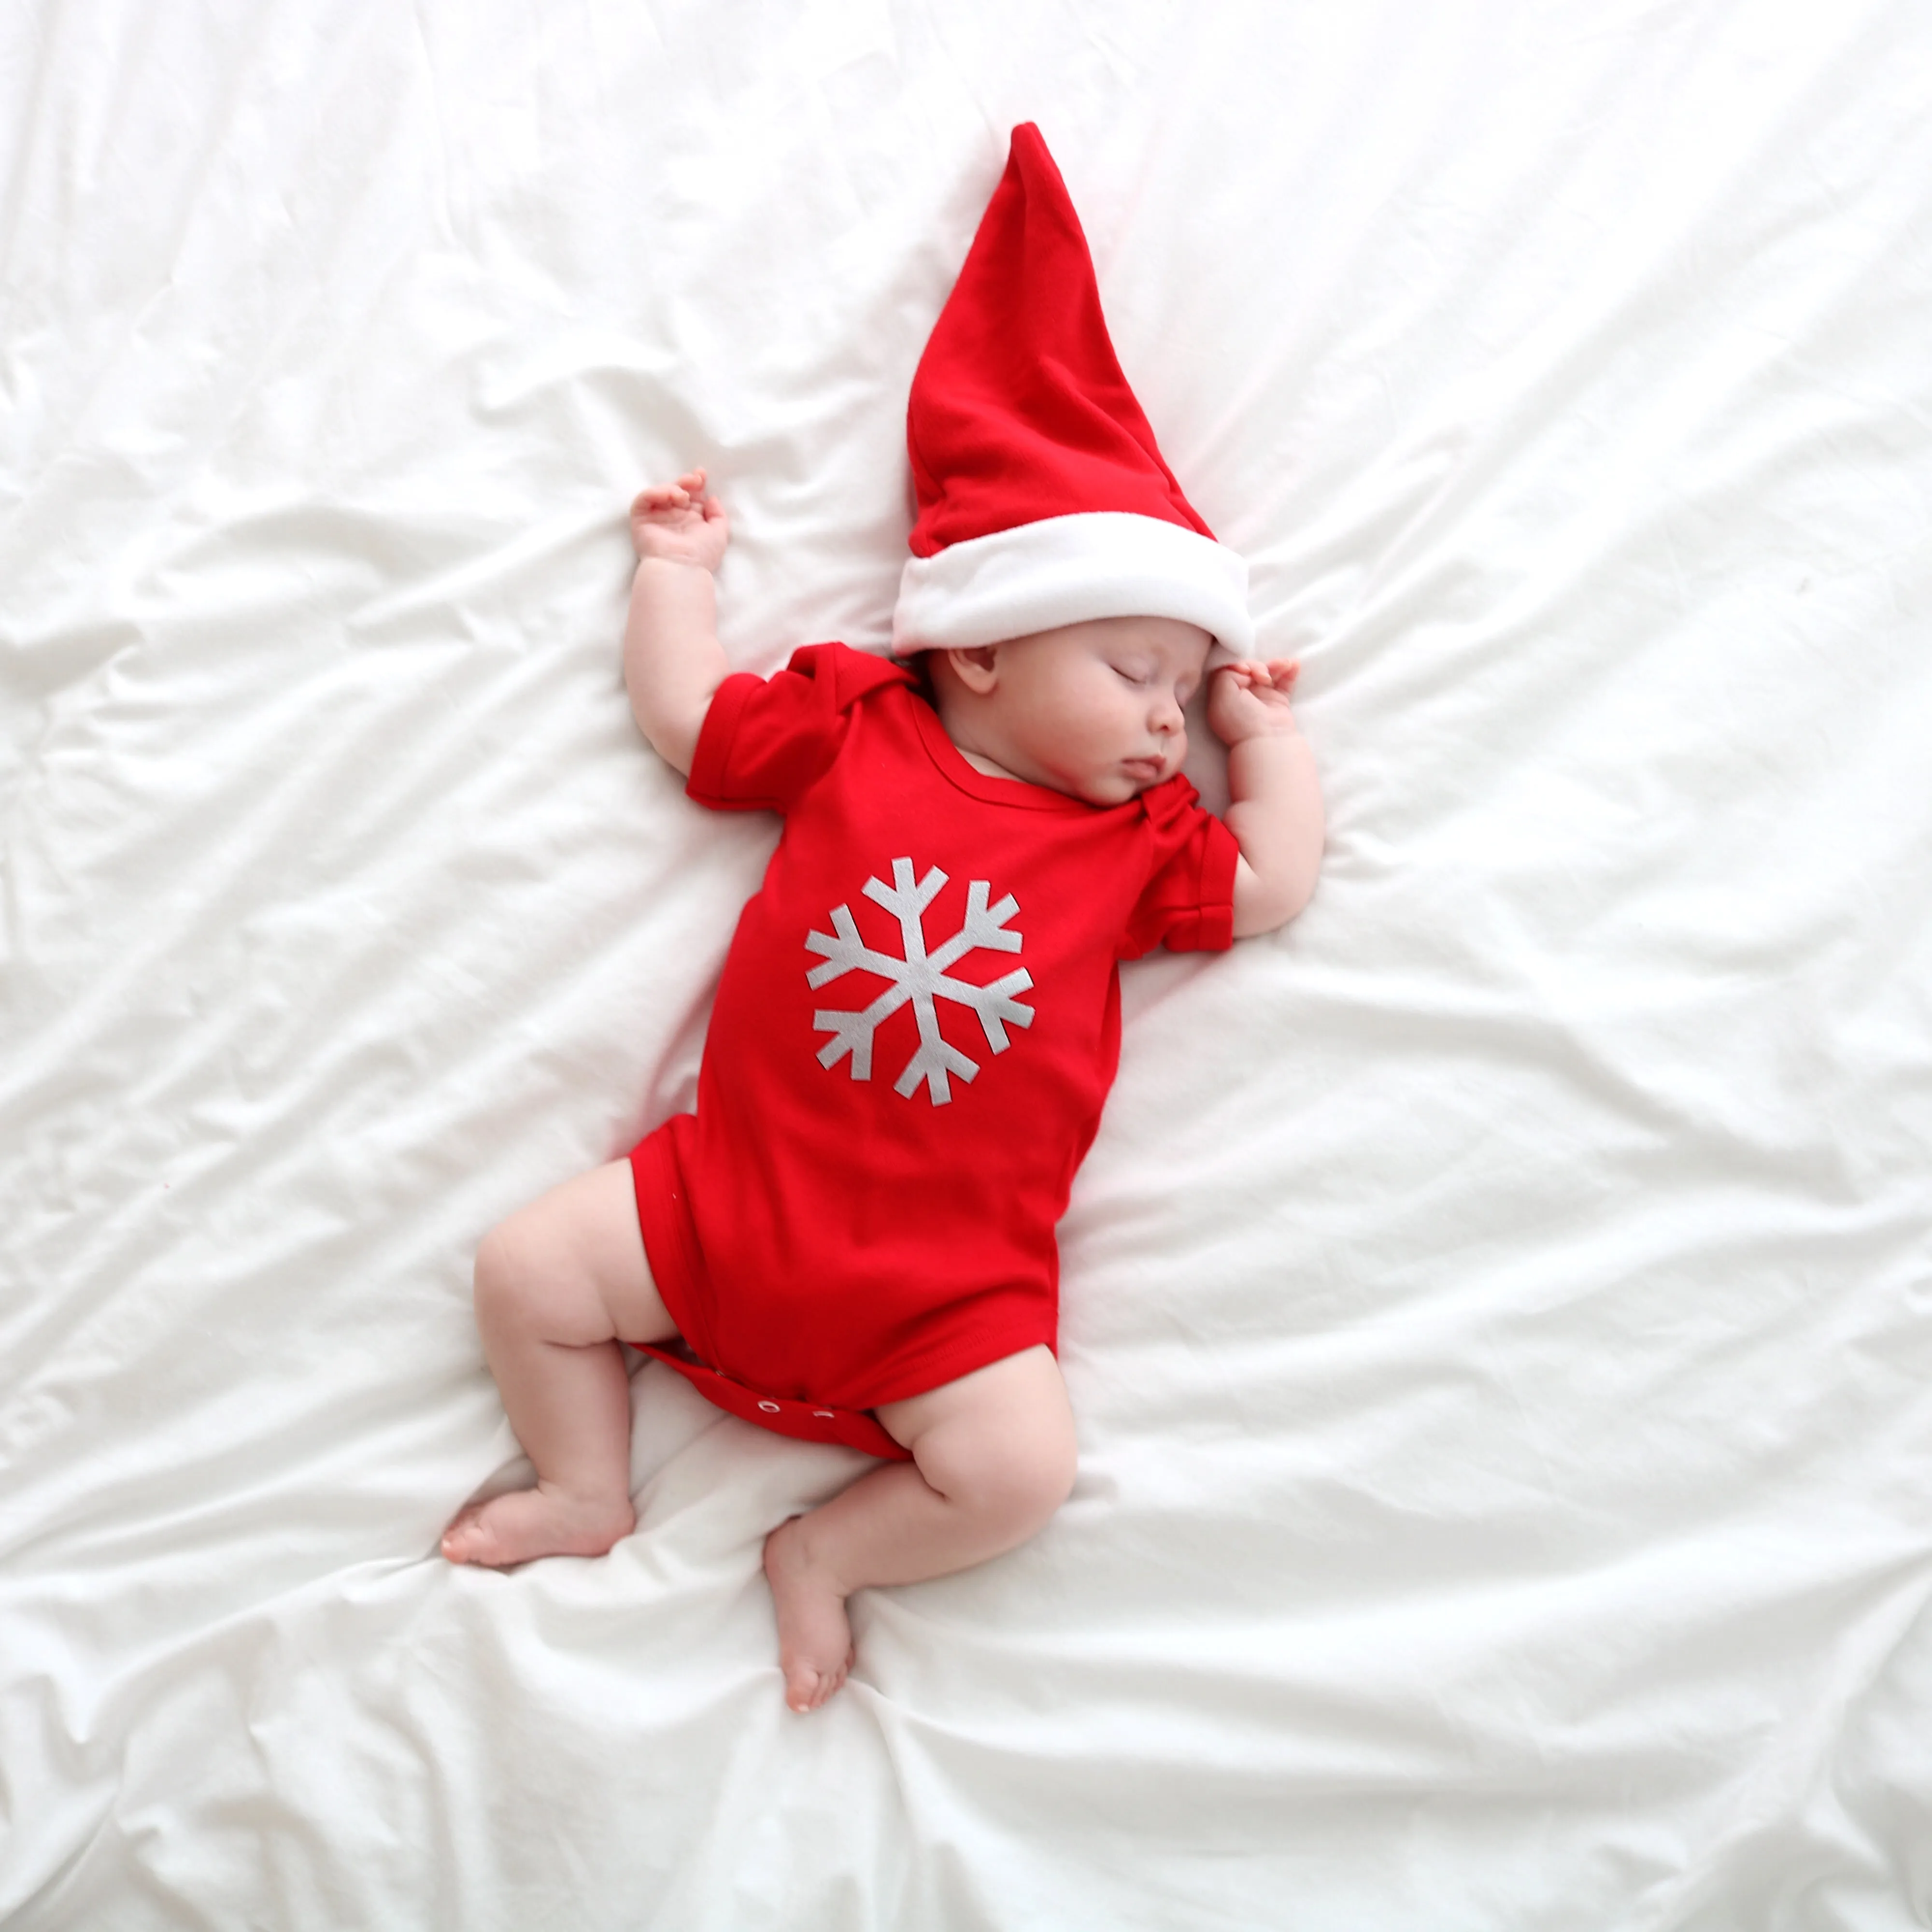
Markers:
(977, 667)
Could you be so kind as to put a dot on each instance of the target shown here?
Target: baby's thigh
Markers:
(1006, 1430)
(579, 1253)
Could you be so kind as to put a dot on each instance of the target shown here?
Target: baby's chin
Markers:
(1108, 788)
(1139, 775)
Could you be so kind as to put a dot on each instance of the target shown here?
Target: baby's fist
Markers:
(1250, 700)
(679, 523)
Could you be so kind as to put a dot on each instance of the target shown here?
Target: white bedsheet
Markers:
(1499, 1309)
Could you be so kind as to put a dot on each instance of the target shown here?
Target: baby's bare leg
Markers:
(556, 1284)
(993, 1458)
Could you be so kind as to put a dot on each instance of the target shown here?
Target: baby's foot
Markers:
(523, 1524)
(815, 1637)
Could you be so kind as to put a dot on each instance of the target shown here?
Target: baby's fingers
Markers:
(658, 499)
(1254, 677)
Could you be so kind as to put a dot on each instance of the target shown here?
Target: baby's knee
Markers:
(1048, 1481)
(1027, 1488)
(1017, 1475)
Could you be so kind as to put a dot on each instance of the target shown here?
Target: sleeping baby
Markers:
(851, 1238)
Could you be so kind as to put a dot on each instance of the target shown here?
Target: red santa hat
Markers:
(1043, 498)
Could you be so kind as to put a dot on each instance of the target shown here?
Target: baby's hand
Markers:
(1250, 700)
(679, 523)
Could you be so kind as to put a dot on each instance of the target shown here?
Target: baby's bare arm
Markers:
(1274, 806)
(674, 663)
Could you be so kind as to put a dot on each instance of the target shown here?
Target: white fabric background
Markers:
(1499, 1309)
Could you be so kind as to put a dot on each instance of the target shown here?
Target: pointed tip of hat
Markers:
(1019, 408)
(1027, 438)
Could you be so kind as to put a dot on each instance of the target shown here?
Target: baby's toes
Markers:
(467, 1540)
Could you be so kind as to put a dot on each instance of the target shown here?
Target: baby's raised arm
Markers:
(674, 663)
(1274, 808)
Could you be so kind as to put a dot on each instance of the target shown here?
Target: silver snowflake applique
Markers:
(921, 977)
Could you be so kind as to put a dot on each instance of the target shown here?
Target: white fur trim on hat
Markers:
(1066, 570)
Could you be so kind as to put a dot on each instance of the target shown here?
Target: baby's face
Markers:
(1094, 709)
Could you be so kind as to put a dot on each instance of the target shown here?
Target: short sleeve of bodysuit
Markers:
(766, 742)
(1188, 903)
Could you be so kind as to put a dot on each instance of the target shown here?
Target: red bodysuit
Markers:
(918, 1022)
